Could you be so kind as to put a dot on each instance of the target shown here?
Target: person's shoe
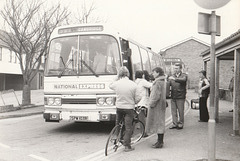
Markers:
(230, 110)
(173, 127)
(157, 145)
(145, 135)
(180, 126)
(128, 149)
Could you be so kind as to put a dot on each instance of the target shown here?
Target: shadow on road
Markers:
(92, 127)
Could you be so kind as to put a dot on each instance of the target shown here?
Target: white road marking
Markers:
(38, 158)
(5, 146)
(93, 156)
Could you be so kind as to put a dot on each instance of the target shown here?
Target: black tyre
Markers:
(186, 104)
(113, 140)
(138, 131)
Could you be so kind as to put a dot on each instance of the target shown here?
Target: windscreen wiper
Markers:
(89, 68)
(65, 67)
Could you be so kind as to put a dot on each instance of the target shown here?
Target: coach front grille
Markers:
(79, 101)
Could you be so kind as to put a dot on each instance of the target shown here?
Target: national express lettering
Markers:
(79, 86)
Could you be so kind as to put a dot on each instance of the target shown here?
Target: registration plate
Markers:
(79, 118)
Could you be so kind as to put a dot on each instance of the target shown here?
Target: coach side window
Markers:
(152, 59)
(136, 59)
(145, 60)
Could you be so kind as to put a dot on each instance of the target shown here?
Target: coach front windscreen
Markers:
(83, 55)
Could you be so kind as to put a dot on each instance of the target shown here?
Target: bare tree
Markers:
(29, 24)
(86, 14)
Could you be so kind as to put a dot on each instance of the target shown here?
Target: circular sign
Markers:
(211, 4)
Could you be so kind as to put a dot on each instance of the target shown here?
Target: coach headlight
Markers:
(105, 101)
(50, 101)
(110, 101)
(58, 101)
(100, 101)
(53, 101)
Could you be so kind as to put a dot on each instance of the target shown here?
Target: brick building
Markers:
(188, 51)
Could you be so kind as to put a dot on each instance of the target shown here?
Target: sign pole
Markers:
(212, 122)
(213, 4)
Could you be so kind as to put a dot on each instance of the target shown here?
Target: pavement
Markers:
(36, 107)
(188, 144)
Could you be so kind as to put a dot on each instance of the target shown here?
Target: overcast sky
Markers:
(160, 23)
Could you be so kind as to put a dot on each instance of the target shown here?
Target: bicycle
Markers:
(115, 137)
(186, 104)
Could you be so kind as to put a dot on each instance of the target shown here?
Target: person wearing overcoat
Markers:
(157, 104)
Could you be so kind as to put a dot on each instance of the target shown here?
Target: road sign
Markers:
(211, 4)
(204, 24)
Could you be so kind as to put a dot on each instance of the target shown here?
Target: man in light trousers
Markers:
(178, 82)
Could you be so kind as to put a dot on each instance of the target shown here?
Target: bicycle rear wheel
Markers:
(113, 140)
(138, 131)
(186, 104)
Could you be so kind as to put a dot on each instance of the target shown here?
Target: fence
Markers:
(8, 101)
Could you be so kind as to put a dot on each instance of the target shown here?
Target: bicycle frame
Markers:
(118, 132)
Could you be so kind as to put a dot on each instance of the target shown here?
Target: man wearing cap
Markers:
(178, 82)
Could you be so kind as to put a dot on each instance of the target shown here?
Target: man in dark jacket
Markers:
(178, 82)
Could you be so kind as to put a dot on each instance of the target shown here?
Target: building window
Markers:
(41, 81)
(10, 56)
(15, 56)
(0, 54)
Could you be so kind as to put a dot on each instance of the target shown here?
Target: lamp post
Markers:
(208, 24)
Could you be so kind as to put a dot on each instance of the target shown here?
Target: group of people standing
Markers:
(152, 96)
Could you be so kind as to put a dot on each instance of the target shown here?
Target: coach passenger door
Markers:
(126, 56)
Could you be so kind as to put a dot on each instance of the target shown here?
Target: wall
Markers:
(225, 73)
(9, 64)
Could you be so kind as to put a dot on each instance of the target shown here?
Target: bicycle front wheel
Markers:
(138, 131)
(113, 140)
